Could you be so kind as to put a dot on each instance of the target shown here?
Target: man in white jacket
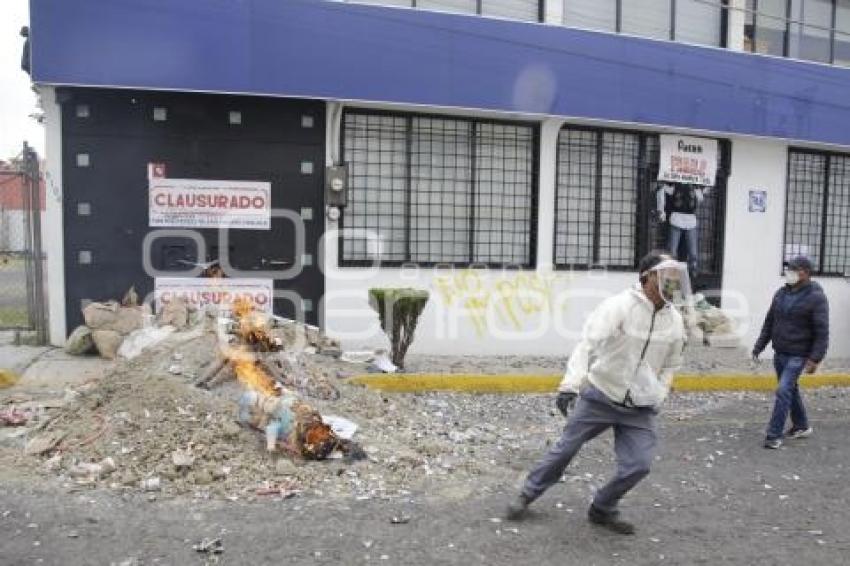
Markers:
(617, 377)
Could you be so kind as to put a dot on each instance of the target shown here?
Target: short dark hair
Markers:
(649, 261)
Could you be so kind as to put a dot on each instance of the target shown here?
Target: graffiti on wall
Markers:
(509, 298)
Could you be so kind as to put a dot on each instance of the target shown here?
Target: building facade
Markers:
(503, 154)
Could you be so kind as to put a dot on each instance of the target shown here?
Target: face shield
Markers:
(674, 285)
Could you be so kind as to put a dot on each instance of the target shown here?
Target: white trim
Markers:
(52, 228)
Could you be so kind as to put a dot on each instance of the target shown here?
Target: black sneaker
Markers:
(517, 508)
(609, 521)
(795, 432)
(772, 443)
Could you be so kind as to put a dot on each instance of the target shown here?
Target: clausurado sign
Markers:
(204, 203)
(203, 292)
(686, 159)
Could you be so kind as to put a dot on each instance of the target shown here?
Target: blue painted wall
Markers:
(315, 48)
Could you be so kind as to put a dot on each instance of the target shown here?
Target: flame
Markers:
(252, 376)
(252, 329)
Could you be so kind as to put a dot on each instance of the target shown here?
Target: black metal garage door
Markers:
(109, 138)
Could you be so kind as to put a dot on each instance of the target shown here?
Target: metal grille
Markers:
(605, 191)
(836, 257)
(22, 298)
(596, 198)
(429, 190)
(817, 212)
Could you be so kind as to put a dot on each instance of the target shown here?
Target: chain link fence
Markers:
(22, 293)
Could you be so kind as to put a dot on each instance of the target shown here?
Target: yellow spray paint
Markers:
(513, 296)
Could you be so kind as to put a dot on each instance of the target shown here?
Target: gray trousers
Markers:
(634, 443)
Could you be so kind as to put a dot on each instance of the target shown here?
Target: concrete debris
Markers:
(107, 343)
(80, 342)
(44, 443)
(139, 340)
(209, 546)
(175, 313)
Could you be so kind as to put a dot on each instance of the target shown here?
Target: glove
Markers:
(662, 216)
(565, 401)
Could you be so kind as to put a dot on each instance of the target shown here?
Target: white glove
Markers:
(662, 216)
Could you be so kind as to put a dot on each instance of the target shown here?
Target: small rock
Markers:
(285, 467)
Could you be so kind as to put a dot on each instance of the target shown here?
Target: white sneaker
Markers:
(800, 432)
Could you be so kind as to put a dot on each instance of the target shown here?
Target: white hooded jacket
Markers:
(629, 350)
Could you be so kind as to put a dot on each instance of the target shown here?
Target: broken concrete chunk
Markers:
(107, 343)
(100, 315)
(44, 443)
(175, 313)
(80, 342)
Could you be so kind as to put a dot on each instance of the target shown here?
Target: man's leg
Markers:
(587, 422)
(635, 448)
(788, 370)
(692, 240)
(673, 238)
(799, 418)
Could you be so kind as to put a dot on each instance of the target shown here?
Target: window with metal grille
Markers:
(817, 210)
(438, 190)
(605, 192)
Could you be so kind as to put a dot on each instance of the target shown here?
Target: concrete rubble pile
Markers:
(178, 419)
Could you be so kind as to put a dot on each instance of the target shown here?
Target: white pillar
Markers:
(549, 130)
(52, 227)
(735, 25)
(553, 12)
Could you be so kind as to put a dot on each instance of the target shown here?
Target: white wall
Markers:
(754, 243)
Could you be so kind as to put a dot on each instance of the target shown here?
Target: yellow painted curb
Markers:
(543, 383)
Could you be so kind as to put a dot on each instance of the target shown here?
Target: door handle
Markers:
(275, 262)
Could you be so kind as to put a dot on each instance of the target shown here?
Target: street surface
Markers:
(714, 497)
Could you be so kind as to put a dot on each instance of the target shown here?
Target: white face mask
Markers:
(792, 277)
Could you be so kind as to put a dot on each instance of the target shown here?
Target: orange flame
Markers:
(253, 376)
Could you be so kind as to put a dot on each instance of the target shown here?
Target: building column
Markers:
(52, 228)
(737, 17)
(549, 130)
(553, 12)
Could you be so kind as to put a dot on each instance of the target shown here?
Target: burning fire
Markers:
(252, 376)
(253, 330)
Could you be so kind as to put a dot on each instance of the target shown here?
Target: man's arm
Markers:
(820, 325)
(766, 330)
(672, 363)
(603, 323)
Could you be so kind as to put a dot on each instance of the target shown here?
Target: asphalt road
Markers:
(714, 497)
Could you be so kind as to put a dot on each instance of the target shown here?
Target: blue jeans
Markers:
(788, 399)
(692, 242)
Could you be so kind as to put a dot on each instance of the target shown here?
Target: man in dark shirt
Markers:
(798, 325)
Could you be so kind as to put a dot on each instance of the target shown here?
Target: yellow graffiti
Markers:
(513, 296)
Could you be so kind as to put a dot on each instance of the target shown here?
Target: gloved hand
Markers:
(565, 401)
(662, 216)
(755, 362)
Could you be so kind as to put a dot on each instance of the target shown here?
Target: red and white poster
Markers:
(203, 203)
(202, 292)
(686, 159)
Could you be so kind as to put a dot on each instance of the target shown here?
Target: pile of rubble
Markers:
(238, 407)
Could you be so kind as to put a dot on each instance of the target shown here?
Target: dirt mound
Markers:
(147, 427)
